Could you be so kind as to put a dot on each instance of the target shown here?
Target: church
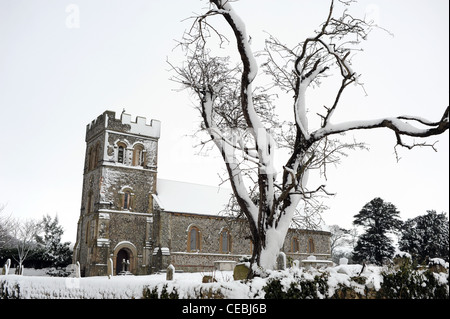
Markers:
(143, 223)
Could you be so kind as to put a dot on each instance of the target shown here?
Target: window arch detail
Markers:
(311, 247)
(225, 241)
(194, 239)
(295, 247)
(121, 151)
(127, 198)
(139, 155)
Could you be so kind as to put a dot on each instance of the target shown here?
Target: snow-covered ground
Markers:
(187, 285)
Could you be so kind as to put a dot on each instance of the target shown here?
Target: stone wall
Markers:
(174, 234)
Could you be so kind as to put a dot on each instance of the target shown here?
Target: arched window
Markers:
(121, 155)
(311, 248)
(127, 199)
(138, 155)
(295, 247)
(193, 239)
(225, 241)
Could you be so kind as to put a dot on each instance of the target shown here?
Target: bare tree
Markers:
(241, 122)
(24, 233)
(338, 236)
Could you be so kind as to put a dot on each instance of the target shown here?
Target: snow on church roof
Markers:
(184, 197)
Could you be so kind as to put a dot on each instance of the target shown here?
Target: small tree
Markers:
(24, 234)
(338, 239)
(426, 236)
(55, 253)
(378, 218)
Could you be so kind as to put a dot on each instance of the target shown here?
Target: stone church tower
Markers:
(119, 179)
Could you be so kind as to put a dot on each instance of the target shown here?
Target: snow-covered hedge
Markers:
(341, 282)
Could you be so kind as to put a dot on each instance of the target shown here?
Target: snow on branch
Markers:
(242, 124)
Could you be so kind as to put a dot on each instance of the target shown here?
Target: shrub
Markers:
(407, 282)
(300, 288)
(7, 292)
(149, 293)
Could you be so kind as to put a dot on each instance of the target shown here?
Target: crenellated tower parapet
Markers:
(108, 121)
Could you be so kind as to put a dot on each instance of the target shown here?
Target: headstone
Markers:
(6, 267)
(240, 272)
(110, 267)
(208, 279)
(170, 272)
(296, 263)
(281, 261)
(78, 271)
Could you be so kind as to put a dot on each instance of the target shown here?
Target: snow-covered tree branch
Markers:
(241, 121)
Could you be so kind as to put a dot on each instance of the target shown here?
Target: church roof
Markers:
(184, 197)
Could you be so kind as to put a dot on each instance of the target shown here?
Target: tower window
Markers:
(138, 156)
(120, 155)
(126, 200)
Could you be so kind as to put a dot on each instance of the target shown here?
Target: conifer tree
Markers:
(426, 236)
(378, 218)
(56, 253)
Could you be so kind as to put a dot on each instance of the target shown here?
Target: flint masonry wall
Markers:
(176, 236)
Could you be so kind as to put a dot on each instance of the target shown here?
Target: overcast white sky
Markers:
(62, 63)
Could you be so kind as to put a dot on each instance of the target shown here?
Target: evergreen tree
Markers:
(56, 253)
(426, 236)
(378, 218)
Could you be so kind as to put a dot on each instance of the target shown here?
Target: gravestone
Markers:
(78, 271)
(6, 267)
(170, 272)
(240, 272)
(281, 261)
(110, 267)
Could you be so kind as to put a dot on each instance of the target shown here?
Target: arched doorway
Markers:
(125, 258)
(123, 261)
